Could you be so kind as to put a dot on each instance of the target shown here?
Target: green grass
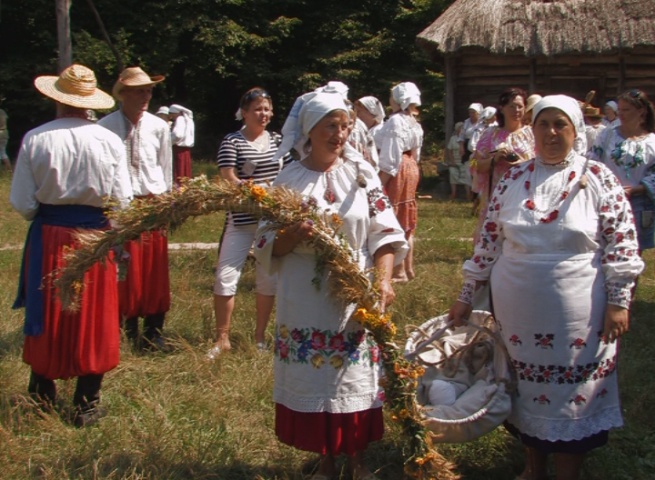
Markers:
(176, 416)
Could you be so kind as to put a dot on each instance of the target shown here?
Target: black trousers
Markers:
(87, 390)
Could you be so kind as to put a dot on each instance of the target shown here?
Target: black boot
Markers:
(43, 391)
(87, 401)
(131, 329)
(152, 337)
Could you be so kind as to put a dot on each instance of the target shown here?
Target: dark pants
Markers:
(152, 326)
(87, 391)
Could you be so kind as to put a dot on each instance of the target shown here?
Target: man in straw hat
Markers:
(64, 171)
(145, 291)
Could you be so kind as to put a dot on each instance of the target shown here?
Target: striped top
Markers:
(250, 163)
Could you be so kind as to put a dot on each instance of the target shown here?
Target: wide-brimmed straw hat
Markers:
(532, 101)
(76, 87)
(134, 77)
(591, 112)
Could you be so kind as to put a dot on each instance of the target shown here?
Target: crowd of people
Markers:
(565, 206)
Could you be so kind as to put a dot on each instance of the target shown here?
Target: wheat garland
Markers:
(347, 283)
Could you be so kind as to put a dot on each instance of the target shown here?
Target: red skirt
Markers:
(328, 433)
(401, 190)
(82, 343)
(146, 288)
(181, 163)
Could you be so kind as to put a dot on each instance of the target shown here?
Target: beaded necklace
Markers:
(551, 211)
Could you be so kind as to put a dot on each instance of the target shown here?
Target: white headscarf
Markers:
(374, 106)
(318, 107)
(334, 87)
(566, 104)
(175, 108)
(476, 106)
(291, 130)
(487, 113)
(613, 105)
(405, 94)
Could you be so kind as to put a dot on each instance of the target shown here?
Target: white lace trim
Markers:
(567, 429)
(352, 403)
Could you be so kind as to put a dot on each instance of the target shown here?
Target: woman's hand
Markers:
(617, 322)
(287, 239)
(634, 191)
(459, 313)
(383, 260)
(387, 294)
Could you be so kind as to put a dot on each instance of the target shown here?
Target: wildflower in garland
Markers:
(346, 282)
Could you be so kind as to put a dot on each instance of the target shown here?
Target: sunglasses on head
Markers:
(252, 95)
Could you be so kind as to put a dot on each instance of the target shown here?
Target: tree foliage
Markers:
(213, 50)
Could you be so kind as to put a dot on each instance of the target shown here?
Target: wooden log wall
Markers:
(478, 76)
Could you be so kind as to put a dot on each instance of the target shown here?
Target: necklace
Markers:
(329, 194)
(551, 211)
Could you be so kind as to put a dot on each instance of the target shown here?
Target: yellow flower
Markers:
(317, 361)
(258, 192)
(284, 332)
(360, 315)
(336, 361)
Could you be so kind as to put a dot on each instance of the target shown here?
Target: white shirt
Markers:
(69, 161)
(148, 151)
(400, 133)
(183, 133)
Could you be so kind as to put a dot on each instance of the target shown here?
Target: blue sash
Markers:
(30, 294)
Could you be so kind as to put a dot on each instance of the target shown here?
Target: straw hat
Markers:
(532, 101)
(591, 112)
(76, 86)
(134, 77)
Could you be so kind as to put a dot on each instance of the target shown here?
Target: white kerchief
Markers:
(374, 106)
(334, 87)
(405, 94)
(175, 108)
(316, 108)
(566, 104)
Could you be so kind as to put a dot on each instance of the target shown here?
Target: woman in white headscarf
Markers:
(183, 138)
(4, 138)
(327, 366)
(558, 246)
(400, 150)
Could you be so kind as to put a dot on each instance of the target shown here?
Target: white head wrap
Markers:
(566, 104)
(487, 113)
(175, 108)
(318, 107)
(291, 131)
(613, 105)
(374, 106)
(405, 94)
(334, 87)
(476, 106)
(163, 110)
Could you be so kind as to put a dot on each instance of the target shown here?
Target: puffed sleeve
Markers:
(23, 185)
(166, 157)
(384, 228)
(649, 177)
(620, 260)
(121, 188)
(391, 149)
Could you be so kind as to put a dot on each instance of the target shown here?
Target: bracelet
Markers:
(467, 292)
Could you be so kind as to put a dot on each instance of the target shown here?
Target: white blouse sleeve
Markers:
(392, 148)
(23, 186)
(620, 259)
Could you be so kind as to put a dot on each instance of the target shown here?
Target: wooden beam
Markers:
(450, 95)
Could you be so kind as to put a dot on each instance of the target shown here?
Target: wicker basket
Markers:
(475, 358)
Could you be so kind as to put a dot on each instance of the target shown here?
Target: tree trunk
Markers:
(62, 8)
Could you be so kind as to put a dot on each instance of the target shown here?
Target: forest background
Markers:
(212, 51)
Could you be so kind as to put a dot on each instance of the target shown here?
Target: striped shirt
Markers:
(238, 153)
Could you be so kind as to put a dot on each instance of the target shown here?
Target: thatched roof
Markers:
(543, 27)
